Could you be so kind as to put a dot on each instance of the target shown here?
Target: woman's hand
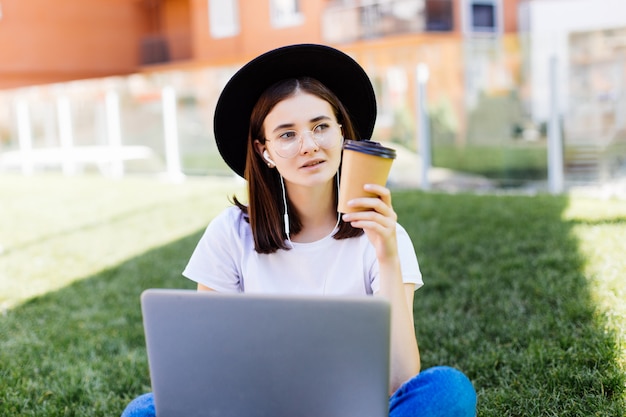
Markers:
(378, 221)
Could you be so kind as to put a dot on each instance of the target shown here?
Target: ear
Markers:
(259, 147)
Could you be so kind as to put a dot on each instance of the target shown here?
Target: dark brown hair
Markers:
(265, 203)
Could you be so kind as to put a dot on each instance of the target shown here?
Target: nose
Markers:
(308, 142)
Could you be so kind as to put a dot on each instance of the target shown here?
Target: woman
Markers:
(280, 123)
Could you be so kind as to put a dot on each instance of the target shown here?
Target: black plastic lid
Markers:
(369, 147)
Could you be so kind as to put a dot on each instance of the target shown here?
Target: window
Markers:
(483, 16)
(285, 13)
(439, 15)
(223, 18)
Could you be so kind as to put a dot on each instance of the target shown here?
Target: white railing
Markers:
(161, 122)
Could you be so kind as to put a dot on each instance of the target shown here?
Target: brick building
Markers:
(43, 42)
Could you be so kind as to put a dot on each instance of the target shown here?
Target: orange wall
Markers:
(510, 9)
(257, 34)
(48, 41)
(44, 41)
(176, 27)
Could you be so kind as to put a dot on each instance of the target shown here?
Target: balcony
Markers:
(383, 18)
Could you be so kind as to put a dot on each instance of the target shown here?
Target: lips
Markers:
(312, 163)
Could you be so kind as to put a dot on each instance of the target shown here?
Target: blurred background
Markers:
(497, 93)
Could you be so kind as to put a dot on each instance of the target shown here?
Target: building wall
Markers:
(509, 15)
(506, 14)
(42, 41)
(392, 63)
(550, 29)
(177, 28)
(256, 34)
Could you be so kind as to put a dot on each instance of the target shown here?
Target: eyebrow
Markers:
(291, 125)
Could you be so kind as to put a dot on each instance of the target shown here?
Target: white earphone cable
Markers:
(285, 214)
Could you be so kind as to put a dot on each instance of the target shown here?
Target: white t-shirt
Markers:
(225, 260)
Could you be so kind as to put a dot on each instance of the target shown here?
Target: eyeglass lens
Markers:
(289, 143)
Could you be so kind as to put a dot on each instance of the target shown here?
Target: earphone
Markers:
(266, 155)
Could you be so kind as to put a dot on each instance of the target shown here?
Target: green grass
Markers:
(511, 164)
(55, 231)
(524, 294)
(516, 299)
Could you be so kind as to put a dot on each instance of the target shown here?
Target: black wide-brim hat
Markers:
(333, 68)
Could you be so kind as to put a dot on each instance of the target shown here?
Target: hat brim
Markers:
(333, 68)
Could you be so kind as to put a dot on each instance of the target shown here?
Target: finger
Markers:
(368, 224)
(360, 218)
(367, 203)
(373, 205)
(382, 192)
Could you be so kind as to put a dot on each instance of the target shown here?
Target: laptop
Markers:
(244, 355)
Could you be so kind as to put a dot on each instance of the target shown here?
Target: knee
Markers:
(437, 391)
(457, 388)
(447, 377)
(142, 406)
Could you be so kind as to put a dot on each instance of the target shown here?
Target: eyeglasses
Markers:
(288, 143)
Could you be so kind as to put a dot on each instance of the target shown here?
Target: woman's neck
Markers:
(317, 210)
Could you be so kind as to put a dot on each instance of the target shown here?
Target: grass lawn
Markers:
(524, 294)
(510, 164)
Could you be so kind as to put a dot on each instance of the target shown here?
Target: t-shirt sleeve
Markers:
(213, 261)
(411, 273)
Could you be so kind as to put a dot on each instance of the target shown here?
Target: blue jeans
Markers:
(436, 392)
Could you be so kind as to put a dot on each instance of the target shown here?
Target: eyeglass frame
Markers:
(300, 137)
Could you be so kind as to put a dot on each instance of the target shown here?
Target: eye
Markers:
(321, 128)
(287, 136)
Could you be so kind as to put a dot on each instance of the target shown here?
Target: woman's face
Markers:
(303, 139)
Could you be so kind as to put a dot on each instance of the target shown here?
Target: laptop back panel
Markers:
(250, 356)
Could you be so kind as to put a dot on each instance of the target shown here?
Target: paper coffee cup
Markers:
(364, 162)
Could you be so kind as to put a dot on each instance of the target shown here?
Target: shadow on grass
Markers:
(80, 351)
(505, 300)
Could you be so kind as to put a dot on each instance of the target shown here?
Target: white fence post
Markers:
(555, 140)
(423, 135)
(66, 136)
(24, 136)
(114, 134)
(170, 129)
